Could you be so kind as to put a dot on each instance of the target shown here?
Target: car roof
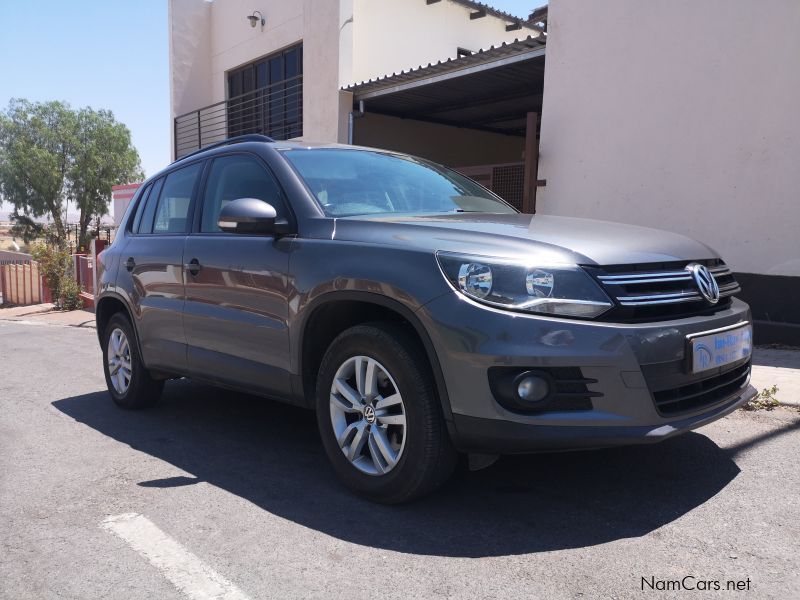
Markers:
(251, 140)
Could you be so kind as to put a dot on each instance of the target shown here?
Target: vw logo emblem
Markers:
(705, 282)
(369, 414)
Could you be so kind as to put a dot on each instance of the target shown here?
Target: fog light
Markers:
(531, 388)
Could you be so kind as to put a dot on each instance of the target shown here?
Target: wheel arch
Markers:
(350, 308)
(106, 307)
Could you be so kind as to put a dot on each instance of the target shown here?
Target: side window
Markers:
(172, 212)
(234, 177)
(140, 208)
(145, 220)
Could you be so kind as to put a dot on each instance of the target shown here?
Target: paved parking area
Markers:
(215, 494)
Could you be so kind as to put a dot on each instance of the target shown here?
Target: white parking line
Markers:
(183, 569)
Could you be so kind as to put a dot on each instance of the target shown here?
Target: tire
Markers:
(424, 456)
(141, 389)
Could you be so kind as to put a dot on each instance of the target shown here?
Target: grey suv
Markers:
(417, 313)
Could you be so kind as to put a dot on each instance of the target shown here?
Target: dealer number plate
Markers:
(719, 348)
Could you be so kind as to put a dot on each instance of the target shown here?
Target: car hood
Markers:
(541, 237)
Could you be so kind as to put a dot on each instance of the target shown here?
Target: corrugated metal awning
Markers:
(490, 90)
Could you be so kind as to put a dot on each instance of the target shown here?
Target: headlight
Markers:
(565, 290)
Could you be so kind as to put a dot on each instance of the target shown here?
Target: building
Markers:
(121, 196)
(291, 75)
(660, 114)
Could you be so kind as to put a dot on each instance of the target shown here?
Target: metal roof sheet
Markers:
(494, 54)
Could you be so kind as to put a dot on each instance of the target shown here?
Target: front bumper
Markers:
(627, 360)
(495, 436)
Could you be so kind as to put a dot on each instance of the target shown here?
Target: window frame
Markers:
(197, 219)
(160, 180)
(263, 115)
(138, 208)
(158, 184)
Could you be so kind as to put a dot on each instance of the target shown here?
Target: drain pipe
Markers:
(351, 119)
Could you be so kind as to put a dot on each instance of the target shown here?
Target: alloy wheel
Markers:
(119, 361)
(368, 415)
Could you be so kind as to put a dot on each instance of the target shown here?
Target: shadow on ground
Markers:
(269, 454)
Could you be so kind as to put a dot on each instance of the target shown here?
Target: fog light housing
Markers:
(532, 388)
(537, 390)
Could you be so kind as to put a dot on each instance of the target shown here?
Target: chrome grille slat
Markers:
(664, 296)
(657, 302)
(618, 279)
(658, 299)
(638, 280)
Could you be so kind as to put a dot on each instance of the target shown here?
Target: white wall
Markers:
(395, 35)
(683, 115)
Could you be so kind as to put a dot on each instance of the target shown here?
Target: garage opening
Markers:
(478, 114)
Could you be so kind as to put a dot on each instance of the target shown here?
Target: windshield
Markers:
(364, 182)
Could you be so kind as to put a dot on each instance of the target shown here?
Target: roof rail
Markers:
(250, 137)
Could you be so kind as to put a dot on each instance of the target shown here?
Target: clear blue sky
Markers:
(108, 54)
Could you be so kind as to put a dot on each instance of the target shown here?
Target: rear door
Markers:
(236, 309)
(153, 259)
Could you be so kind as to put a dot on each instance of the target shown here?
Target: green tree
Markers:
(26, 228)
(36, 147)
(104, 156)
(52, 155)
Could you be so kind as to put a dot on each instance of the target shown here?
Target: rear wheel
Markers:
(379, 416)
(129, 383)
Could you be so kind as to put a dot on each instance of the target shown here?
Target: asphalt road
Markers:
(212, 488)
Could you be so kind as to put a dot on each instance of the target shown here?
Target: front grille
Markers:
(658, 291)
(701, 392)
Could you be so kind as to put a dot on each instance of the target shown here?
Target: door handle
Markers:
(193, 266)
(130, 263)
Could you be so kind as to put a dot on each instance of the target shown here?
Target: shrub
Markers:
(55, 264)
(70, 294)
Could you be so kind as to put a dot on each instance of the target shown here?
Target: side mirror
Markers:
(253, 216)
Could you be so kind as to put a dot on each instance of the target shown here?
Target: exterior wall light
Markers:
(254, 19)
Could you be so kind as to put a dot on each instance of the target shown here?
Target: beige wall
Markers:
(452, 146)
(683, 115)
(210, 38)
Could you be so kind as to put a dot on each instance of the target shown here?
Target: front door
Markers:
(236, 309)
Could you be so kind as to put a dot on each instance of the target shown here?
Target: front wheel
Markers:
(379, 416)
(128, 381)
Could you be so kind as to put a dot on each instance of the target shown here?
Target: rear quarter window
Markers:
(172, 211)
